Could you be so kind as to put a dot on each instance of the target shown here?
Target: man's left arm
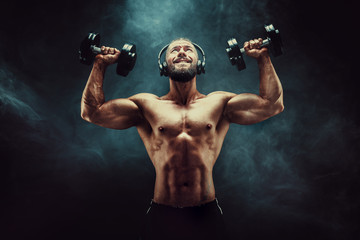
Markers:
(250, 108)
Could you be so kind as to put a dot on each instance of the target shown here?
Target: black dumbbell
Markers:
(272, 41)
(90, 47)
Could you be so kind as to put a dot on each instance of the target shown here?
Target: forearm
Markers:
(270, 85)
(93, 95)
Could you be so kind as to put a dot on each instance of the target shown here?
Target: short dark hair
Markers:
(180, 39)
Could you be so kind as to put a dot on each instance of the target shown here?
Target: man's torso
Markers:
(183, 143)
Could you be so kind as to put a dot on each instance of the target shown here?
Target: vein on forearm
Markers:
(270, 86)
(93, 94)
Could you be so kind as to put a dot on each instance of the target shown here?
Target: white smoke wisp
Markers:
(17, 98)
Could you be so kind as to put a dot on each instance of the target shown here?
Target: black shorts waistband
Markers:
(212, 204)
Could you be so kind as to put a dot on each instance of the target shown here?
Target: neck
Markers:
(183, 92)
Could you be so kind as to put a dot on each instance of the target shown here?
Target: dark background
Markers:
(294, 176)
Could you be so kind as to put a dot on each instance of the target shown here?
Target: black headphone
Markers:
(200, 68)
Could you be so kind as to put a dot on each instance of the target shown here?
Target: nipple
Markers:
(161, 129)
(209, 126)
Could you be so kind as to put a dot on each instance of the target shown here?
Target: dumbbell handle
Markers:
(95, 49)
(266, 42)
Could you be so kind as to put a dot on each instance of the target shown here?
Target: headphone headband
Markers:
(163, 66)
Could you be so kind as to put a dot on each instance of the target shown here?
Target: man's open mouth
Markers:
(182, 60)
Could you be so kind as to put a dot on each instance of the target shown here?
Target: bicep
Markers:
(118, 114)
(247, 108)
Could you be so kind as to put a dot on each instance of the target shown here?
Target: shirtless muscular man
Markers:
(183, 132)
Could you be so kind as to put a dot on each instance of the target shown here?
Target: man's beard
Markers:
(182, 75)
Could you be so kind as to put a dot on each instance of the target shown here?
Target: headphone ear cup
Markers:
(203, 67)
(161, 68)
(164, 69)
(198, 67)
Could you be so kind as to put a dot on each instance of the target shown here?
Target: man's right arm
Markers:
(118, 113)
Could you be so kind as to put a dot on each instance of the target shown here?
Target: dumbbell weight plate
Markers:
(234, 54)
(127, 59)
(86, 55)
(275, 38)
